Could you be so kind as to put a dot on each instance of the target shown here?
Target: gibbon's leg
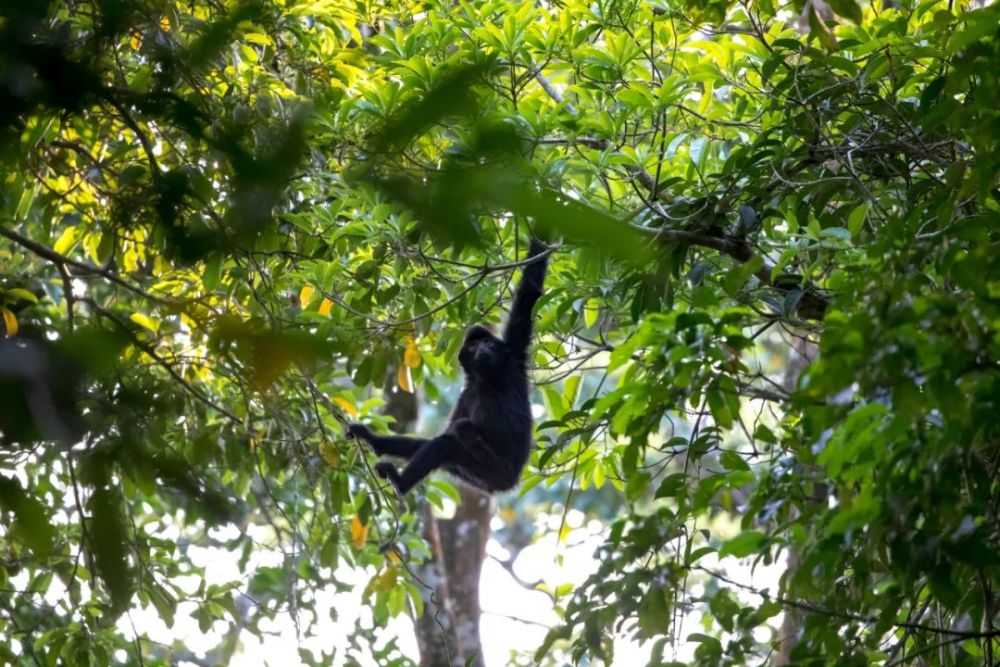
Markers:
(443, 450)
(387, 445)
(482, 465)
(479, 463)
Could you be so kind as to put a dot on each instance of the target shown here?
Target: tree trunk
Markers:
(801, 354)
(448, 631)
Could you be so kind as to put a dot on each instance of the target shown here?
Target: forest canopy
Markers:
(770, 336)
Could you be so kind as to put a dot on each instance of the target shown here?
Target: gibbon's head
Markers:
(482, 353)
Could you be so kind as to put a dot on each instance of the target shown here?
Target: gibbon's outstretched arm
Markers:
(517, 333)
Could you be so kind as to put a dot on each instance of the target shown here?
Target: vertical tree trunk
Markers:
(448, 630)
(462, 549)
(801, 354)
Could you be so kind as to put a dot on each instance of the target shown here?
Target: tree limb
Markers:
(58, 259)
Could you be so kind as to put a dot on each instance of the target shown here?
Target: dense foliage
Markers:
(775, 302)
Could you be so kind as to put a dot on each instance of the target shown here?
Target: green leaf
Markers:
(743, 545)
(31, 524)
(672, 485)
(856, 219)
(764, 434)
(213, 271)
(848, 9)
(819, 29)
(719, 406)
(20, 293)
(733, 461)
(591, 309)
(837, 233)
(109, 541)
(24, 203)
(739, 274)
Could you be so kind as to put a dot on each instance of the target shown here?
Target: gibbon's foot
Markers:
(388, 471)
(355, 431)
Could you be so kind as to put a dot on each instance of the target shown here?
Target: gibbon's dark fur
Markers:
(488, 438)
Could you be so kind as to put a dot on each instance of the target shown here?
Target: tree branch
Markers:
(845, 615)
(160, 361)
(58, 259)
(811, 305)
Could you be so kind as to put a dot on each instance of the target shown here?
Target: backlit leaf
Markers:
(359, 533)
(67, 240)
(345, 405)
(9, 321)
(145, 321)
(19, 293)
(591, 309)
(403, 379)
(411, 356)
(305, 295)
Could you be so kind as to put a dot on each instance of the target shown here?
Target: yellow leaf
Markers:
(258, 38)
(345, 405)
(359, 533)
(411, 357)
(9, 321)
(248, 53)
(404, 380)
(385, 579)
(67, 240)
(330, 454)
(145, 321)
(165, 24)
(131, 260)
(136, 41)
(324, 307)
(393, 556)
(305, 295)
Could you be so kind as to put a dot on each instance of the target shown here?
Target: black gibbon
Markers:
(489, 435)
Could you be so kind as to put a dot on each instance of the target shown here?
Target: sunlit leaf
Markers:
(403, 379)
(9, 321)
(145, 321)
(346, 405)
(385, 580)
(411, 356)
(19, 293)
(68, 239)
(359, 533)
(591, 309)
(305, 295)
